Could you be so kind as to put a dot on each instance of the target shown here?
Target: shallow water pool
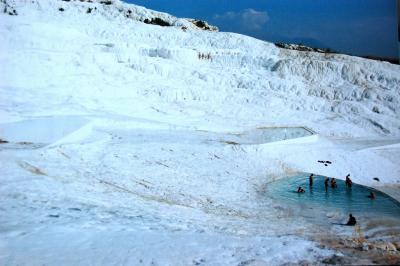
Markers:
(268, 134)
(41, 129)
(341, 199)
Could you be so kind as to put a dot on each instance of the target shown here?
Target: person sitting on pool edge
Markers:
(300, 190)
(352, 220)
(349, 183)
(311, 179)
(371, 195)
(333, 183)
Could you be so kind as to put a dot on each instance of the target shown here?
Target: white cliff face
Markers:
(244, 76)
(147, 141)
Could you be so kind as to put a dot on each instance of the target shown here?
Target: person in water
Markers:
(311, 179)
(333, 183)
(371, 195)
(352, 220)
(326, 182)
(300, 190)
(349, 183)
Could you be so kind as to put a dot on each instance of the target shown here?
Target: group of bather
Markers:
(332, 183)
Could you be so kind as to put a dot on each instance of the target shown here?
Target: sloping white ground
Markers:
(138, 168)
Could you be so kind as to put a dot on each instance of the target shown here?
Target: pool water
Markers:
(269, 134)
(41, 129)
(341, 199)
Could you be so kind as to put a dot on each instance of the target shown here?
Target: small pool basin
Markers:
(341, 199)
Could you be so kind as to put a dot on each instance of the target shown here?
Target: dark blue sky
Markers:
(359, 27)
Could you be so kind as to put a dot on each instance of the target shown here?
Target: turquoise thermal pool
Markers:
(341, 199)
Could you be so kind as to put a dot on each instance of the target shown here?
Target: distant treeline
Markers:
(390, 60)
(301, 47)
